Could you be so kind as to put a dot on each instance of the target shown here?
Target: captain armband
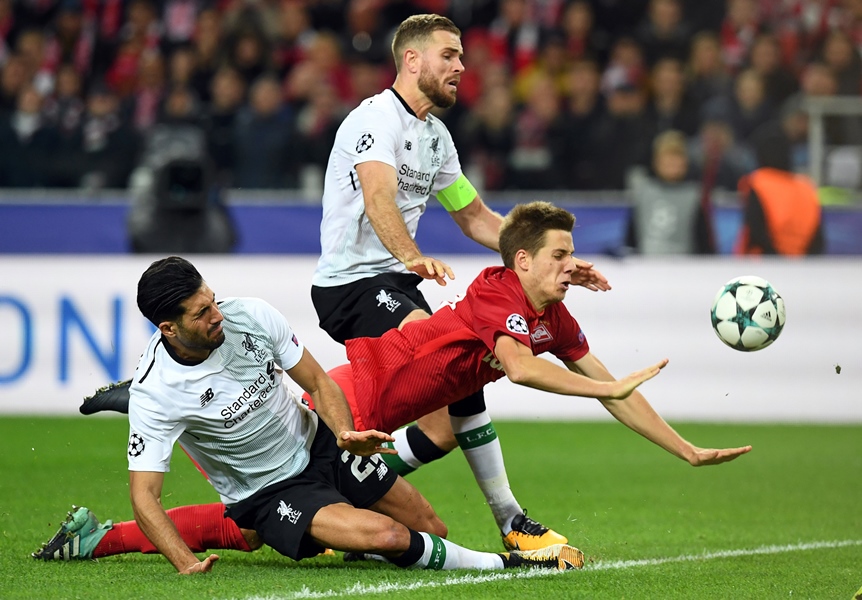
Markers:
(458, 195)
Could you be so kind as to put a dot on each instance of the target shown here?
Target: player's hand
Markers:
(205, 566)
(586, 276)
(365, 443)
(623, 388)
(712, 456)
(430, 268)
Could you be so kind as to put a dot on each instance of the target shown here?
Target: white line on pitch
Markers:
(470, 579)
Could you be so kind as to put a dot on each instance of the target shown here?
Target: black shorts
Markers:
(281, 513)
(369, 307)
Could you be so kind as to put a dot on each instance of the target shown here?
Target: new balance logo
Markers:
(206, 397)
(286, 511)
(408, 145)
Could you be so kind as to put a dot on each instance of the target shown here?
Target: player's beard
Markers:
(196, 341)
(434, 90)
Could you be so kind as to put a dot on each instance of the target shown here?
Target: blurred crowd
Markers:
(556, 94)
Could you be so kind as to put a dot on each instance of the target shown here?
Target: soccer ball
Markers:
(747, 313)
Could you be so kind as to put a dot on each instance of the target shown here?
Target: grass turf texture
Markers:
(613, 494)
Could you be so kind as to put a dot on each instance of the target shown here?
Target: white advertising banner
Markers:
(70, 324)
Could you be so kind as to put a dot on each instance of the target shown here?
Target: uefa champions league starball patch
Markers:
(517, 324)
(365, 142)
(136, 445)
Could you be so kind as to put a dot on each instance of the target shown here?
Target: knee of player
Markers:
(390, 537)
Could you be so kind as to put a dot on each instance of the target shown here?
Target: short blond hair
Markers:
(416, 31)
(670, 142)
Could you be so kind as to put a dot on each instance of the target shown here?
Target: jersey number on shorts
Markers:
(362, 466)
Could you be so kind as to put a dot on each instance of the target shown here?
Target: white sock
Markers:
(443, 554)
(405, 452)
(478, 441)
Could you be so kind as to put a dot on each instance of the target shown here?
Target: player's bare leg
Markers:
(405, 504)
(344, 527)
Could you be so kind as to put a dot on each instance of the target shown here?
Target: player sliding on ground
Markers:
(212, 379)
(509, 315)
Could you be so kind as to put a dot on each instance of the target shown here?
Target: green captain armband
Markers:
(458, 195)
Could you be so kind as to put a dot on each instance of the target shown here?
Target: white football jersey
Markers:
(231, 413)
(383, 128)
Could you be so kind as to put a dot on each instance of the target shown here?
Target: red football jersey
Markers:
(431, 363)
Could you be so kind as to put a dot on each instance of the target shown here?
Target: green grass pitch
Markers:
(784, 521)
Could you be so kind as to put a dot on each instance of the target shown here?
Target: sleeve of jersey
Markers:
(497, 310)
(570, 342)
(372, 136)
(152, 434)
(286, 347)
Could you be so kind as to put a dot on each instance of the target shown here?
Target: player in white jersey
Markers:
(212, 379)
(390, 156)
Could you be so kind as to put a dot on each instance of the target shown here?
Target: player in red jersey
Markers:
(508, 316)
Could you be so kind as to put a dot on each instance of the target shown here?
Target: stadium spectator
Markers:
(717, 157)
(366, 33)
(150, 90)
(670, 106)
(27, 143)
(819, 81)
(745, 109)
(781, 210)
(13, 80)
(316, 124)
(323, 62)
(208, 45)
(487, 138)
(538, 139)
(668, 216)
(706, 74)
(105, 148)
(841, 57)
(739, 28)
(70, 42)
(514, 35)
(248, 52)
(623, 135)
(227, 98)
(779, 81)
(139, 37)
(178, 18)
(583, 111)
(583, 40)
(663, 32)
(552, 63)
(64, 108)
(294, 36)
(265, 139)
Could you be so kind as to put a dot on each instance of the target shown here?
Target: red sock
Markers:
(202, 527)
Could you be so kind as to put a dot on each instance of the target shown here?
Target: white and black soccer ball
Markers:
(747, 313)
(136, 445)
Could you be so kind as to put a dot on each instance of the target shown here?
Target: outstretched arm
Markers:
(525, 369)
(636, 413)
(332, 407)
(145, 490)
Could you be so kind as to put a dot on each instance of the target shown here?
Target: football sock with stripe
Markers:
(428, 551)
(478, 440)
(202, 527)
(414, 450)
